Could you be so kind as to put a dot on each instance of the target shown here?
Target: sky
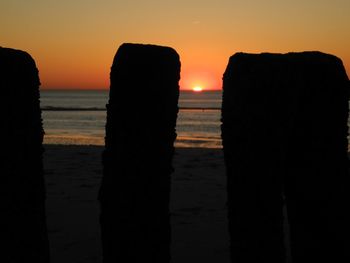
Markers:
(74, 41)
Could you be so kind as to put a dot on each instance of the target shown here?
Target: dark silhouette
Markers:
(284, 131)
(23, 235)
(140, 133)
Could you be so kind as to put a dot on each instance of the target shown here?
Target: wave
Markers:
(50, 108)
(200, 108)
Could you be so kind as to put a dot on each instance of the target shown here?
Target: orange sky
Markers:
(74, 41)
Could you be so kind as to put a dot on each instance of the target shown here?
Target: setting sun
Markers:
(197, 89)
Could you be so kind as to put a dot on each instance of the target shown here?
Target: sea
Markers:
(78, 117)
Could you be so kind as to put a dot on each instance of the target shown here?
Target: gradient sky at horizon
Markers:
(74, 41)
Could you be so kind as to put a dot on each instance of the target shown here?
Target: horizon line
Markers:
(107, 89)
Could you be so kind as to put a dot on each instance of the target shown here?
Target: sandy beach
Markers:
(198, 204)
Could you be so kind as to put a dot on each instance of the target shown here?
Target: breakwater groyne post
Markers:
(139, 147)
(23, 220)
(284, 131)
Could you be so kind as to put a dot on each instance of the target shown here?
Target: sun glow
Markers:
(197, 89)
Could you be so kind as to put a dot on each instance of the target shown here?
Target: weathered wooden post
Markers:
(284, 131)
(316, 174)
(140, 135)
(24, 233)
(251, 133)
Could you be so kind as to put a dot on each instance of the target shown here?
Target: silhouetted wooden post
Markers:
(23, 235)
(140, 133)
(251, 134)
(317, 179)
(284, 128)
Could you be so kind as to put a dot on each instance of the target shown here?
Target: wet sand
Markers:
(198, 204)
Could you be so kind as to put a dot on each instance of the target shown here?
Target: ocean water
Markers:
(79, 117)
